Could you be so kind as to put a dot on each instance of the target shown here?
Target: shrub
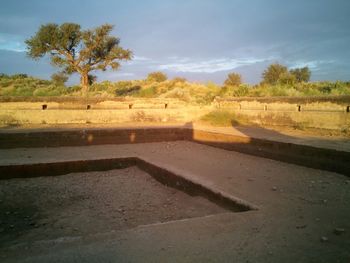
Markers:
(50, 91)
(241, 91)
(147, 92)
(179, 80)
(212, 85)
(157, 77)
(128, 91)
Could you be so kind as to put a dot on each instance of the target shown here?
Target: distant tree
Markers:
(157, 77)
(76, 50)
(59, 78)
(301, 74)
(273, 73)
(3, 75)
(286, 78)
(233, 79)
(19, 76)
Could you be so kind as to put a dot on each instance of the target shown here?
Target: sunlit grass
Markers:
(224, 118)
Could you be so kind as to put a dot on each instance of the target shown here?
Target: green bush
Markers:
(241, 91)
(156, 77)
(128, 91)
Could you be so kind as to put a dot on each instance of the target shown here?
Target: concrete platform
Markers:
(300, 211)
(327, 153)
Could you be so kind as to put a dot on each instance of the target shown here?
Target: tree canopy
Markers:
(75, 50)
(273, 73)
(301, 74)
(279, 74)
(233, 79)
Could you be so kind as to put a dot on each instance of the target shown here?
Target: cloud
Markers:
(125, 74)
(312, 65)
(11, 42)
(208, 66)
(140, 58)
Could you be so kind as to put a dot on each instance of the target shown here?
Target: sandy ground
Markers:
(303, 216)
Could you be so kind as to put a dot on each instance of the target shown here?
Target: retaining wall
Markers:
(333, 113)
(320, 158)
(109, 111)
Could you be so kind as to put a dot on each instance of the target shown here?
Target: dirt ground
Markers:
(89, 203)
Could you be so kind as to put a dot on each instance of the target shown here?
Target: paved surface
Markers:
(303, 216)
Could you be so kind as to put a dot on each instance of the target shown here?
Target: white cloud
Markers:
(312, 65)
(11, 43)
(141, 58)
(125, 74)
(208, 66)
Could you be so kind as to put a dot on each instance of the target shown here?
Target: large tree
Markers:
(273, 73)
(76, 50)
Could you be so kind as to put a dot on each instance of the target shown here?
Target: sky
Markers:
(201, 40)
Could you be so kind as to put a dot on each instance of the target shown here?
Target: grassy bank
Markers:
(21, 85)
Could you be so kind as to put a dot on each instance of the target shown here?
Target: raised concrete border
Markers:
(165, 175)
(301, 154)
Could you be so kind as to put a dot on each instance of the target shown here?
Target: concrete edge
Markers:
(300, 154)
(177, 179)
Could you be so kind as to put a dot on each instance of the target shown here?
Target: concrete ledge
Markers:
(309, 156)
(187, 184)
(305, 155)
(91, 137)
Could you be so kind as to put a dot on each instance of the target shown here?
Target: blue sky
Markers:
(201, 40)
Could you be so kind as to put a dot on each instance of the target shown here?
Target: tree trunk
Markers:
(84, 81)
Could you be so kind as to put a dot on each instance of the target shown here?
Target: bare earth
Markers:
(90, 203)
(303, 216)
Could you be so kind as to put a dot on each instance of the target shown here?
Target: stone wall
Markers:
(303, 113)
(324, 113)
(108, 111)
